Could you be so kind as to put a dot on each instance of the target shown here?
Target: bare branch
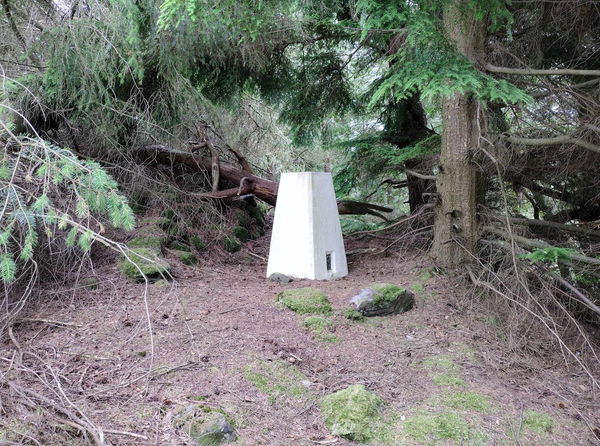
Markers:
(557, 140)
(537, 72)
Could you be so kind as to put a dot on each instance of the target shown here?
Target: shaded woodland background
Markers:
(476, 121)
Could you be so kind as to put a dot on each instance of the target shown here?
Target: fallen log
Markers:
(264, 190)
(244, 182)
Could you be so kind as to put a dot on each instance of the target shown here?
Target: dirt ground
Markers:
(219, 340)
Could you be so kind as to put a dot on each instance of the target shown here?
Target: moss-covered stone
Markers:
(153, 242)
(186, 257)
(144, 262)
(305, 301)
(241, 233)
(382, 299)
(352, 413)
(231, 244)
(198, 243)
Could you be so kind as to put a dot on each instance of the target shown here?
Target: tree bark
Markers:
(455, 227)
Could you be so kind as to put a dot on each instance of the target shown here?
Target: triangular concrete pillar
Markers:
(306, 242)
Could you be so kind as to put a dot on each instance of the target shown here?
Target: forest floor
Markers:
(444, 368)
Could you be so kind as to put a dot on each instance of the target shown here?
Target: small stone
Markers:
(279, 278)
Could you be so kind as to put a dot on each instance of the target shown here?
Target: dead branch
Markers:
(556, 140)
(550, 224)
(537, 72)
(537, 244)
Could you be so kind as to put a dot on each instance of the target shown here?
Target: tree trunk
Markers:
(455, 227)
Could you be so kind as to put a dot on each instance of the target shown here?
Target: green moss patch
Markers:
(448, 380)
(353, 413)
(430, 429)
(147, 241)
(321, 328)
(186, 257)
(179, 246)
(418, 288)
(144, 262)
(353, 314)
(231, 244)
(242, 234)
(538, 422)
(469, 401)
(198, 243)
(305, 301)
(386, 292)
(278, 379)
(425, 276)
(441, 363)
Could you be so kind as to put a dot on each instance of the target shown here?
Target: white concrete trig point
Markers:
(306, 242)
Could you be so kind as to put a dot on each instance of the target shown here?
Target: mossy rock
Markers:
(186, 257)
(153, 242)
(242, 234)
(381, 299)
(305, 301)
(155, 268)
(353, 413)
(90, 283)
(231, 244)
(179, 246)
(198, 243)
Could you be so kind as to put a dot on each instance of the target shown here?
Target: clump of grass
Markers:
(277, 379)
(537, 421)
(353, 413)
(431, 429)
(448, 380)
(305, 301)
(469, 401)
